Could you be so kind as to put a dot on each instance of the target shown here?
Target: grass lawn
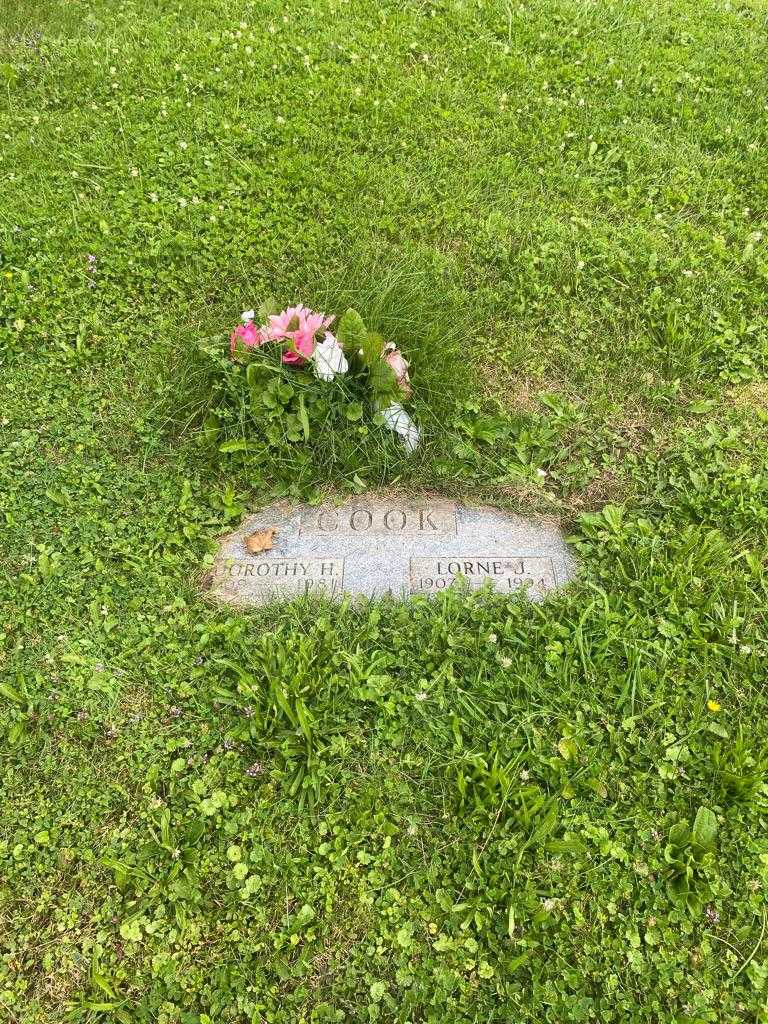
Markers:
(496, 811)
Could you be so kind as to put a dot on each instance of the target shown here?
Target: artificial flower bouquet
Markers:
(299, 339)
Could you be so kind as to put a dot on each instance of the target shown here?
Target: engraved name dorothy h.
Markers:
(280, 569)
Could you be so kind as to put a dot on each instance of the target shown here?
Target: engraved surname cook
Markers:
(382, 519)
(430, 575)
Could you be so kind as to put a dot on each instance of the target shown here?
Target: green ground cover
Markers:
(471, 810)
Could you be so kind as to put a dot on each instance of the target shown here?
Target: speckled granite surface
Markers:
(372, 546)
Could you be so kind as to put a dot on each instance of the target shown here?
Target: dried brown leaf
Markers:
(260, 540)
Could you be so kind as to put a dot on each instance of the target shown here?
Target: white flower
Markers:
(329, 358)
(248, 315)
(397, 419)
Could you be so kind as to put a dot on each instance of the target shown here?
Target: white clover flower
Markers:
(248, 315)
(329, 358)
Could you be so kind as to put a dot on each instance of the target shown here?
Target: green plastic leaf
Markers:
(351, 332)
(382, 379)
(373, 346)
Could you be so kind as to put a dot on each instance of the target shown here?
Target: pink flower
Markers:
(297, 325)
(394, 358)
(281, 323)
(247, 334)
(304, 343)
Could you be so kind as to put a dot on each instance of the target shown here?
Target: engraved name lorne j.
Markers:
(431, 574)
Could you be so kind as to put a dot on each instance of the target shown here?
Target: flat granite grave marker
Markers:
(372, 546)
